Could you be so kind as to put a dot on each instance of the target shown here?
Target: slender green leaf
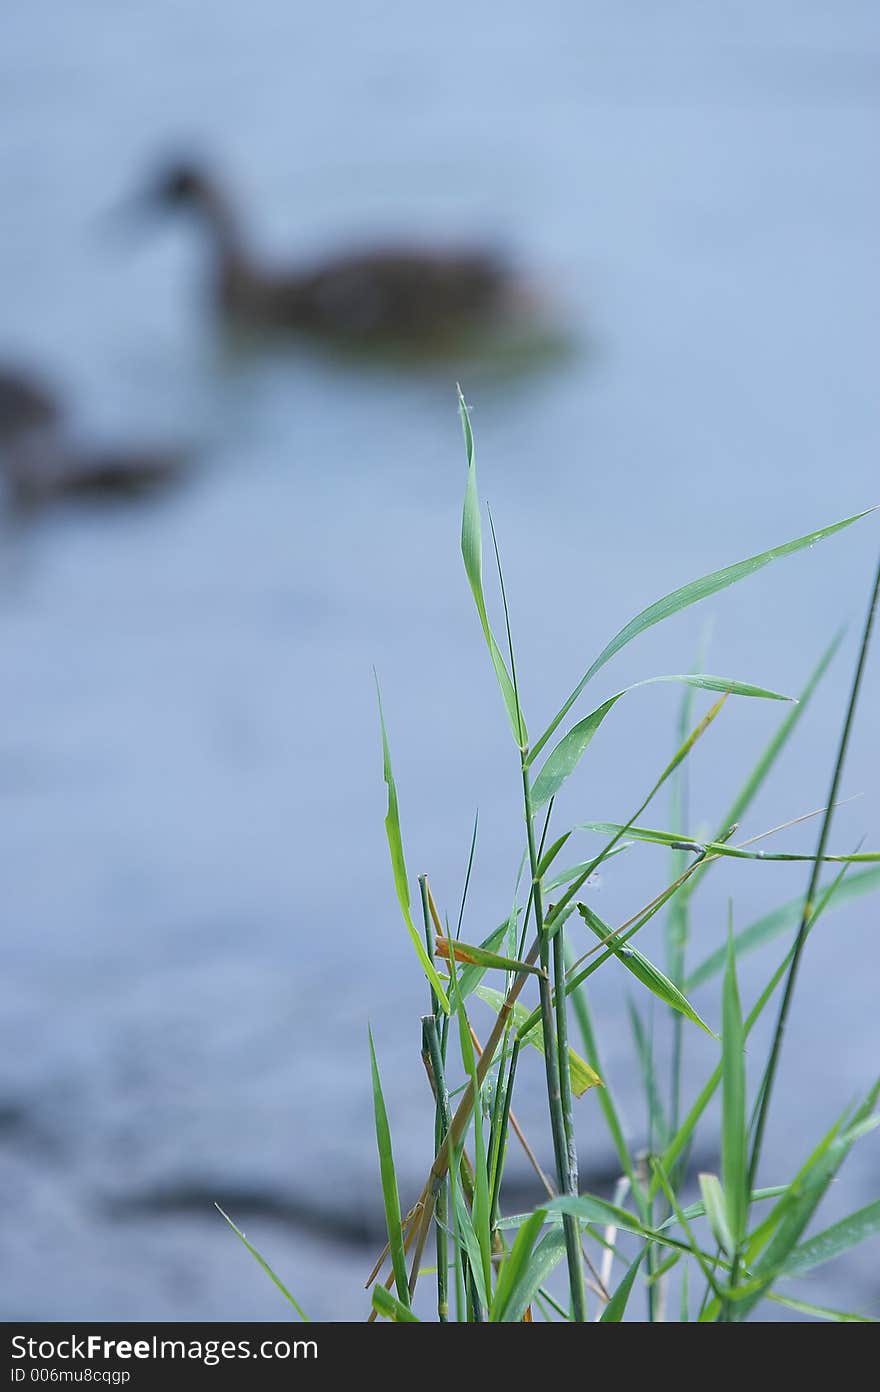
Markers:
(822, 1311)
(644, 971)
(790, 1216)
(480, 1208)
(657, 1124)
(829, 1243)
(718, 848)
(616, 1307)
(571, 748)
(715, 1207)
(583, 1076)
(514, 1267)
(471, 1245)
(774, 924)
(265, 1265)
(389, 1181)
(542, 1261)
(604, 1096)
(472, 554)
(682, 1137)
(550, 855)
(734, 1138)
(398, 864)
(683, 598)
(698, 1210)
(384, 1303)
(770, 754)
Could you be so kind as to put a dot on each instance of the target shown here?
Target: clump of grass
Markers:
(739, 1244)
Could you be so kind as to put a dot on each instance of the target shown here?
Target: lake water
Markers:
(199, 915)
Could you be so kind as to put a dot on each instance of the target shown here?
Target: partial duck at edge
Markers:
(42, 461)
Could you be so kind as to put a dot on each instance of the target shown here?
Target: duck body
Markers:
(42, 463)
(397, 294)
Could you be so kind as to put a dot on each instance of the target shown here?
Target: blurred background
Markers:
(199, 914)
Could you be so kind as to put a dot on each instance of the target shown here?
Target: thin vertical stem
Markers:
(431, 1043)
(571, 1227)
(563, 1139)
(803, 929)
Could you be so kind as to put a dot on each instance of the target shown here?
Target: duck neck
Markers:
(224, 228)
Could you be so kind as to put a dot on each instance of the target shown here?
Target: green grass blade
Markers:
(682, 1137)
(472, 555)
(389, 1182)
(571, 748)
(791, 1215)
(821, 1311)
(698, 1210)
(384, 1303)
(514, 1267)
(482, 1217)
(683, 598)
(644, 971)
(719, 848)
(542, 1261)
(830, 1243)
(604, 1096)
(758, 776)
(658, 1132)
(471, 1245)
(715, 1207)
(583, 1076)
(398, 863)
(775, 924)
(261, 1261)
(734, 1137)
(616, 1307)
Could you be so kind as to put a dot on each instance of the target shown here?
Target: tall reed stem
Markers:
(806, 914)
(563, 1139)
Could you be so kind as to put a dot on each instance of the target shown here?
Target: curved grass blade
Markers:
(683, 598)
(826, 1245)
(265, 1265)
(774, 924)
(645, 971)
(571, 748)
(384, 1303)
(616, 1307)
(583, 1076)
(389, 1182)
(472, 555)
(398, 863)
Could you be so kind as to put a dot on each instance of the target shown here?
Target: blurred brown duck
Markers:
(406, 295)
(41, 462)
